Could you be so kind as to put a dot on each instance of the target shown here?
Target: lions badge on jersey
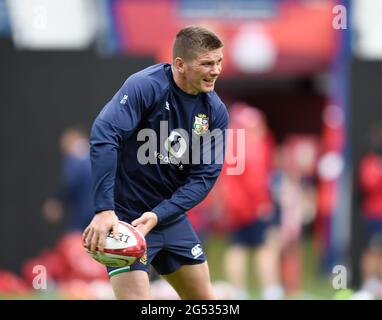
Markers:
(201, 124)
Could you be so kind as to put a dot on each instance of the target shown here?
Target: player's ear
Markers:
(179, 64)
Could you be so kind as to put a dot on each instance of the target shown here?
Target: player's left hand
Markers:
(146, 222)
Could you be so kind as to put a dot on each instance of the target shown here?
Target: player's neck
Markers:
(181, 82)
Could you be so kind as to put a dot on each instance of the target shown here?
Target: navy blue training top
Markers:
(143, 153)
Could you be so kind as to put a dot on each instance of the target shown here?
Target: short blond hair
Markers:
(192, 40)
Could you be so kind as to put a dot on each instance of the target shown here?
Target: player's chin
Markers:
(207, 88)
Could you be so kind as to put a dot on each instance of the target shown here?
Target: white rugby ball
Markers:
(123, 252)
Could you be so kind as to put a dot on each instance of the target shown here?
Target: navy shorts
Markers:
(168, 248)
(374, 233)
(254, 233)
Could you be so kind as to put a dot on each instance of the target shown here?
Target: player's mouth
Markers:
(209, 81)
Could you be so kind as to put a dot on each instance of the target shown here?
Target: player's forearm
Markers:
(104, 166)
(189, 195)
(103, 155)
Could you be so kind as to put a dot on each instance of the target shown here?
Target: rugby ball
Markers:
(123, 252)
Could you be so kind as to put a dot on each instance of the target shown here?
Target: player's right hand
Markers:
(94, 236)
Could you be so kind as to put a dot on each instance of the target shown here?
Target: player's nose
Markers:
(215, 71)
